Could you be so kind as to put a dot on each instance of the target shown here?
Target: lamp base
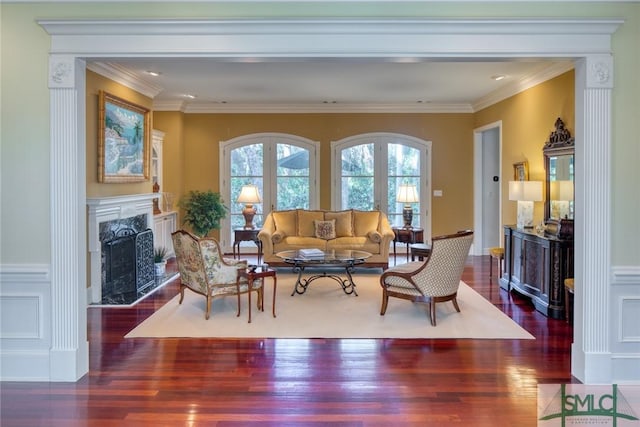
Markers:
(525, 214)
(248, 212)
(407, 216)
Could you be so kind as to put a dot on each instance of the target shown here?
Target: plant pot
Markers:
(160, 268)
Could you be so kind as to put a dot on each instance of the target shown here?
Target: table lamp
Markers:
(407, 194)
(525, 193)
(561, 195)
(249, 195)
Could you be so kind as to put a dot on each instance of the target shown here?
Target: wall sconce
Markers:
(407, 194)
(560, 195)
(249, 195)
(525, 193)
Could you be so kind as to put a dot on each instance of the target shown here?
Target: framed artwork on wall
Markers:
(521, 171)
(124, 137)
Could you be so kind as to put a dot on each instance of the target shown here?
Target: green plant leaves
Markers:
(203, 211)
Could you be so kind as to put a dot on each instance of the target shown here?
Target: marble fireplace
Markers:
(123, 224)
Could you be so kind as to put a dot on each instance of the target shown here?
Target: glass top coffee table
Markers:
(326, 260)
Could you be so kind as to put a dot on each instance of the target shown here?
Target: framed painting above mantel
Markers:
(124, 136)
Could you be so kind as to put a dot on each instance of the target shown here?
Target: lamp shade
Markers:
(407, 193)
(249, 194)
(529, 191)
(561, 190)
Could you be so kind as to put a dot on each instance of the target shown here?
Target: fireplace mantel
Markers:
(104, 209)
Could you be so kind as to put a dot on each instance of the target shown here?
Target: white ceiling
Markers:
(327, 85)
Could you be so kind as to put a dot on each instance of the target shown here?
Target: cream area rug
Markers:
(324, 311)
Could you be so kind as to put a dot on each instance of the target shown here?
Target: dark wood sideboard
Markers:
(536, 266)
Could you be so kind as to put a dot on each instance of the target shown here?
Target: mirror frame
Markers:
(560, 143)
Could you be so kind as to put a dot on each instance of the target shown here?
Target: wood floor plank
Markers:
(315, 382)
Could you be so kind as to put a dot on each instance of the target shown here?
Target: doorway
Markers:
(68, 356)
(487, 187)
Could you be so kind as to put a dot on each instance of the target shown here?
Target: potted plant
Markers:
(203, 211)
(159, 260)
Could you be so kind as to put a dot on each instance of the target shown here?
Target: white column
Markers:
(591, 350)
(69, 355)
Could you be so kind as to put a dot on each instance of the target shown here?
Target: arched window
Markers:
(369, 168)
(283, 167)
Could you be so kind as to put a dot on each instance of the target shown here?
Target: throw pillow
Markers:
(375, 237)
(365, 221)
(277, 236)
(285, 221)
(325, 229)
(344, 222)
(306, 227)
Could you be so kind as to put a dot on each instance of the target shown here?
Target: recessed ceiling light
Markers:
(188, 95)
(498, 77)
(153, 73)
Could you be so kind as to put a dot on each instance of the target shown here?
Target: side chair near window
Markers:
(436, 279)
(205, 271)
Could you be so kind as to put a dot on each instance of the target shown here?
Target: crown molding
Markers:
(125, 77)
(528, 82)
(327, 108)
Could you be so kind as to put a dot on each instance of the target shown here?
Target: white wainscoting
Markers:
(25, 313)
(625, 319)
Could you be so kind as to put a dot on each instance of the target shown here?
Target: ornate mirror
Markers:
(559, 165)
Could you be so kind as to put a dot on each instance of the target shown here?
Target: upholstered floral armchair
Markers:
(436, 279)
(204, 270)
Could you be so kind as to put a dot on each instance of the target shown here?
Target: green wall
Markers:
(24, 135)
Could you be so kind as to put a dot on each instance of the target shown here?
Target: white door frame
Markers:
(586, 41)
(478, 199)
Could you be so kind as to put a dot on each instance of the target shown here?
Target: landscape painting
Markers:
(123, 140)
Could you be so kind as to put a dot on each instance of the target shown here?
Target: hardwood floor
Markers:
(318, 382)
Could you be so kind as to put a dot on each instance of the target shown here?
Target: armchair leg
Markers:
(181, 293)
(455, 304)
(432, 312)
(206, 314)
(385, 301)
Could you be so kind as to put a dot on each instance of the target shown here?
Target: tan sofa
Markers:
(352, 229)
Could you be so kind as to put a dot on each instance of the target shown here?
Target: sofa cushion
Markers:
(344, 222)
(364, 222)
(362, 243)
(325, 229)
(297, 242)
(286, 222)
(306, 227)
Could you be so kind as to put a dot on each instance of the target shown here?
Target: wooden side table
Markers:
(406, 235)
(420, 250)
(246, 235)
(259, 273)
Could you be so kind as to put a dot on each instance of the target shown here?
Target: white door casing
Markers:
(587, 42)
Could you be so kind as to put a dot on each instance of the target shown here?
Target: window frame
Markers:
(381, 141)
(269, 173)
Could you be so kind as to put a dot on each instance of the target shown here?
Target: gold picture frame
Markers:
(521, 171)
(124, 138)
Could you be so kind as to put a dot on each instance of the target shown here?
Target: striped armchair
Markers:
(436, 279)
(205, 271)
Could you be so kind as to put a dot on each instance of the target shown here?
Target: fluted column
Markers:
(591, 352)
(69, 356)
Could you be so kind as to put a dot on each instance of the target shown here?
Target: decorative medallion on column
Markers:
(61, 71)
(600, 71)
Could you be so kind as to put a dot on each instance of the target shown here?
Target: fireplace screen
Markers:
(128, 271)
